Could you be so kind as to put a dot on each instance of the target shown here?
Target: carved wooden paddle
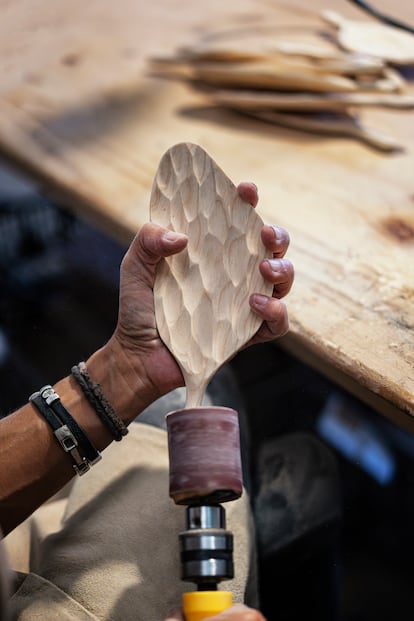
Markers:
(373, 38)
(202, 294)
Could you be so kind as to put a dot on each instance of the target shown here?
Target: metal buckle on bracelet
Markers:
(68, 433)
(69, 444)
(61, 429)
(48, 394)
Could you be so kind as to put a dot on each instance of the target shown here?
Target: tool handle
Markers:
(199, 605)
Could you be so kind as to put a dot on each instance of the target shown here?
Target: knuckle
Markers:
(278, 311)
(279, 321)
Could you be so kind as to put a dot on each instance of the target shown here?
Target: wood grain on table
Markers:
(79, 114)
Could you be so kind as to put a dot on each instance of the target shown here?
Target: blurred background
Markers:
(84, 112)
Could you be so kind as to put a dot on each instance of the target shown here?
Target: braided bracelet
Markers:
(105, 411)
(69, 434)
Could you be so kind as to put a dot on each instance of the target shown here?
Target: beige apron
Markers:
(109, 550)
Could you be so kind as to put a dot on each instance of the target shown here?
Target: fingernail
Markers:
(278, 266)
(279, 234)
(172, 238)
(259, 300)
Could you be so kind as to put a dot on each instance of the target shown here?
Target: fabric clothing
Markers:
(113, 552)
(106, 547)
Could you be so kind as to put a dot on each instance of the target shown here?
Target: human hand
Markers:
(278, 270)
(136, 339)
(238, 612)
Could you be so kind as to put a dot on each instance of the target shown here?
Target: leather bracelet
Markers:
(105, 411)
(62, 433)
(70, 435)
(90, 451)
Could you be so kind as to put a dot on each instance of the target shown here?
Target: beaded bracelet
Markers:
(105, 411)
(69, 434)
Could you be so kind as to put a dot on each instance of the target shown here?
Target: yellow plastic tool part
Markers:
(199, 605)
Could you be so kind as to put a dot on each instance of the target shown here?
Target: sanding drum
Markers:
(204, 453)
(205, 470)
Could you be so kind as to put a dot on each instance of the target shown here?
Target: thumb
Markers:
(154, 241)
(239, 612)
(151, 244)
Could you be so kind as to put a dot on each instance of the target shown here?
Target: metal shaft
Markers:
(206, 547)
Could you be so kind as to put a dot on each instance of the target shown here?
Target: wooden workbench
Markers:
(79, 114)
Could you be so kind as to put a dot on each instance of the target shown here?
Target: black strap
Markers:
(61, 431)
(45, 410)
(48, 403)
(89, 450)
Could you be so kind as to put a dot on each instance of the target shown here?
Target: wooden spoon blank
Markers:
(344, 125)
(259, 100)
(262, 74)
(369, 37)
(342, 64)
(277, 73)
(259, 41)
(202, 294)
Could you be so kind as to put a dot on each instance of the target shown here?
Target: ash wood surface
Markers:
(78, 114)
(201, 294)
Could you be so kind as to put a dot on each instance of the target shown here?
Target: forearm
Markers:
(33, 465)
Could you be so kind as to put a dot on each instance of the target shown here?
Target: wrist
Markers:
(125, 386)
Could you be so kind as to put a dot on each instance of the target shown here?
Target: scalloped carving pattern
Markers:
(201, 294)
